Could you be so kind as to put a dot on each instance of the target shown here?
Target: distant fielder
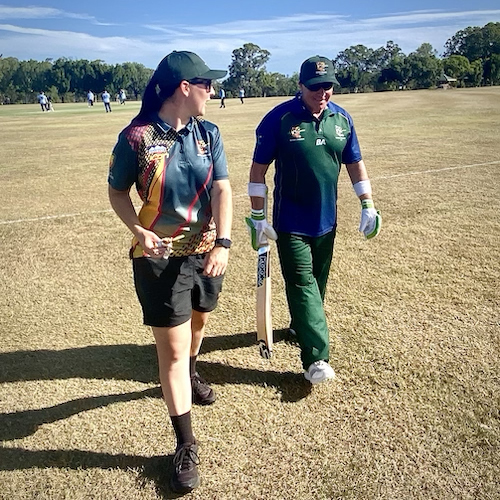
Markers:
(308, 138)
(106, 99)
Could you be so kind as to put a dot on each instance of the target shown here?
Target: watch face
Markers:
(223, 242)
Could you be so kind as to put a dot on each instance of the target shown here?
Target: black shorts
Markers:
(169, 289)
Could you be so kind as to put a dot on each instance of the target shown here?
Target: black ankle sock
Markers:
(182, 428)
(192, 366)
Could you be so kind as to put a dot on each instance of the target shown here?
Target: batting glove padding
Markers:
(260, 230)
(371, 220)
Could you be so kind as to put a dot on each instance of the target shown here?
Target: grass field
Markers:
(414, 316)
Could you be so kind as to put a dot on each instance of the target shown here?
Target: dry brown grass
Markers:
(414, 317)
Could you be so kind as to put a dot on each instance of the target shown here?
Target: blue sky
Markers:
(120, 31)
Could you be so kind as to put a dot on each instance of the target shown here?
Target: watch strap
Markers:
(223, 242)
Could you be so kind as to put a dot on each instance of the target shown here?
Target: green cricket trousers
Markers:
(305, 264)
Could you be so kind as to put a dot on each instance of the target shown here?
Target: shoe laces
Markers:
(198, 379)
(185, 457)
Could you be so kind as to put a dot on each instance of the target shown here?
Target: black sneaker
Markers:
(291, 336)
(203, 394)
(185, 477)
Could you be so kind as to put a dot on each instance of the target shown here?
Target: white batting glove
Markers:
(260, 230)
(371, 220)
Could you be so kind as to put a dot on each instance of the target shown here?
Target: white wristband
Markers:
(257, 189)
(362, 187)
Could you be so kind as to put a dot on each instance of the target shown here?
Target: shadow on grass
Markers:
(118, 362)
(124, 362)
(156, 469)
(20, 424)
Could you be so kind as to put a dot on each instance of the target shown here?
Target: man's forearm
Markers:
(258, 176)
(357, 172)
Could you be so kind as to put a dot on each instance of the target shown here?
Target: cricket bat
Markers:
(264, 322)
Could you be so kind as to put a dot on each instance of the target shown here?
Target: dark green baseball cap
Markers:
(317, 69)
(183, 65)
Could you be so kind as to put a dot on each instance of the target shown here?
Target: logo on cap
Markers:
(321, 68)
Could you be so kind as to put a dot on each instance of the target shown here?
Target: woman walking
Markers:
(181, 236)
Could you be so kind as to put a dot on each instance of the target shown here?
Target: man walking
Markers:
(308, 138)
(106, 99)
(42, 100)
(222, 96)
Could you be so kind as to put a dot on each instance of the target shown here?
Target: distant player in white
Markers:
(42, 100)
(106, 99)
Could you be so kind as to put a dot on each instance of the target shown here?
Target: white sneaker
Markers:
(318, 372)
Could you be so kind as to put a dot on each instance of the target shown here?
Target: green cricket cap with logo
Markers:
(183, 65)
(317, 69)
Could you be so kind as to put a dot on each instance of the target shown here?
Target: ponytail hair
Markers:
(152, 100)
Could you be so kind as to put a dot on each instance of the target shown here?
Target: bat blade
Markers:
(264, 318)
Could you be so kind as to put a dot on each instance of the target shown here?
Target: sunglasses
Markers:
(202, 81)
(317, 86)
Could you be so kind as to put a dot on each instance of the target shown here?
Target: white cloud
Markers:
(290, 39)
(7, 12)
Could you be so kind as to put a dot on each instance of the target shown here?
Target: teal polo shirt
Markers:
(173, 173)
(308, 154)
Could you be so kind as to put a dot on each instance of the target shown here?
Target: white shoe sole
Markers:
(324, 377)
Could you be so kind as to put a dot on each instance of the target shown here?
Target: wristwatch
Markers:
(223, 242)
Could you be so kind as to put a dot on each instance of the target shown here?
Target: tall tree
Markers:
(137, 77)
(383, 56)
(457, 67)
(424, 67)
(477, 43)
(356, 67)
(8, 90)
(247, 68)
(475, 76)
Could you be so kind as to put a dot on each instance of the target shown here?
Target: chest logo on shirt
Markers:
(157, 150)
(202, 148)
(339, 133)
(295, 134)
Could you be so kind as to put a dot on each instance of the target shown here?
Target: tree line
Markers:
(471, 58)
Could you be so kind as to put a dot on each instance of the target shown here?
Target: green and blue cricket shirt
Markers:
(308, 154)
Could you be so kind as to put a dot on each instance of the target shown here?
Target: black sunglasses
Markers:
(202, 81)
(317, 86)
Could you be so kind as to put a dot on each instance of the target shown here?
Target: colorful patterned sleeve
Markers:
(122, 165)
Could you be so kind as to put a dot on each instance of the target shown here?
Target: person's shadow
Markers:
(156, 469)
(119, 362)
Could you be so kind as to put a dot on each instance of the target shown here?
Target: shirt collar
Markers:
(165, 127)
